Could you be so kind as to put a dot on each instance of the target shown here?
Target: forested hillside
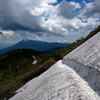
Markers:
(16, 69)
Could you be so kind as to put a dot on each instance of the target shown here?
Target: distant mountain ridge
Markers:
(35, 45)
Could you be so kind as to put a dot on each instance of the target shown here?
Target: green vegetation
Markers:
(16, 69)
(16, 66)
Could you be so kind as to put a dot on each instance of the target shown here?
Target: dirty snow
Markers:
(85, 60)
(60, 82)
(88, 53)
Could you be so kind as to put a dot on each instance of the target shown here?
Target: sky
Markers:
(47, 20)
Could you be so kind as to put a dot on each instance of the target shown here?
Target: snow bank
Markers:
(60, 82)
(85, 60)
(35, 61)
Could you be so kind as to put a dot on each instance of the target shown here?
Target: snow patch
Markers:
(26, 39)
(88, 53)
(85, 60)
(60, 82)
(35, 61)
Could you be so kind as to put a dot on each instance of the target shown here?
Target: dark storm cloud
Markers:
(16, 17)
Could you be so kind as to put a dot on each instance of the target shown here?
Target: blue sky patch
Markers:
(83, 21)
(56, 3)
(46, 17)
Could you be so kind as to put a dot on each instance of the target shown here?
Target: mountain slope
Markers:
(67, 79)
(19, 66)
(85, 60)
(35, 45)
(58, 83)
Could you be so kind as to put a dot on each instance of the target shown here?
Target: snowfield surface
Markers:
(88, 53)
(60, 82)
(85, 60)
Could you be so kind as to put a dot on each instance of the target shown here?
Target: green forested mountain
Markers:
(16, 68)
(35, 45)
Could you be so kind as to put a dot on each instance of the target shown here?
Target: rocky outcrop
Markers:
(85, 60)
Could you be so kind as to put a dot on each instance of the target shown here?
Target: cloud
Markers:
(30, 16)
(76, 5)
(92, 9)
(50, 1)
(64, 9)
(40, 19)
(7, 33)
(19, 14)
(6, 36)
